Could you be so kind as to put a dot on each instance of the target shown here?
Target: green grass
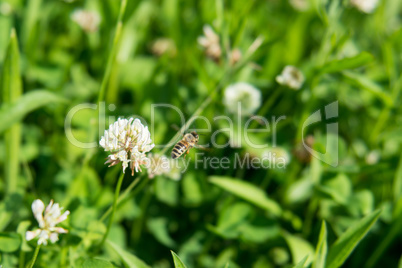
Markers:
(309, 214)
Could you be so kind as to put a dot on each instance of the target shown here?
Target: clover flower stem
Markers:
(21, 260)
(122, 196)
(267, 105)
(35, 256)
(116, 196)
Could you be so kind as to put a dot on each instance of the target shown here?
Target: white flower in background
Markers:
(88, 20)
(5, 9)
(157, 165)
(300, 5)
(373, 157)
(129, 141)
(247, 95)
(291, 77)
(162, 165)
(47, 223)
(235, 56)
(210, 41)
(366, 6)
(278, 157)
(163, 46)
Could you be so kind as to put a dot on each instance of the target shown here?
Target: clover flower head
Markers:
(366, 6)
(373, 157)
(88, 20)
(277, 156)
(235, 56)
(47, 222)
(300, 5)
(210, 41)
(5, 9)
(129, 141)
(291, 77)
(158, 165)
(163, 46)
(248, 96)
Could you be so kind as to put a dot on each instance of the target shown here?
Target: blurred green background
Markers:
(210, 217)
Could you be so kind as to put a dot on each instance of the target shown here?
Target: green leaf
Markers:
(21, 229)
(128, 259)
(97, 263)
(299, 248)
(365, 83)
(345, 244)
(30, 101)
(159, 229)
(248, 192)
(9, 242)
(322, 248)
(301, 263)
(177, 262)
(11, 90)
(347, 63)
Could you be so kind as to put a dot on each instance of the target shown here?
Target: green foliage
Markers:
(62, 84)
(177, 262)
(345, 244)
(248, 192)
(29, 102)
(322, 248)
(9, 242)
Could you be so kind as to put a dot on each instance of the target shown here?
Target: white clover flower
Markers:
(366, 6)
(162, 165)
(210, 41)
(129, 141)
(373, 157)
(88, 20)
(158, 165)
(248, 96)
(163, 46)
(291, 77)
(300, 5)
(235, 56)
(47, 223)
(5, 9)
(278, 157)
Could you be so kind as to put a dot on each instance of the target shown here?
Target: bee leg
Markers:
(186, 153)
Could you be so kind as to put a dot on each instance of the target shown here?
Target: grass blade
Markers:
(345, 244)
(177, 261)
(112, 55)
(301, 263)
(299, 248)
(365, 83)
(347, 63)
(128, 259)
(11, 89)
(247, 191)
(11, 114)
(322, 248)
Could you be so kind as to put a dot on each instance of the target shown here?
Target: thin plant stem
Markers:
(122, 196)
(116, 196)
(112, 55)
(267, 105)
(35, 256)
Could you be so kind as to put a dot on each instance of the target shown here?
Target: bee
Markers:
(189, 141)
